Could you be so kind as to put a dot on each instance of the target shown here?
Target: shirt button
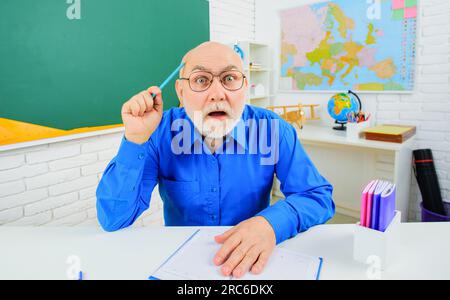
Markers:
(141, 156)
(214, 190)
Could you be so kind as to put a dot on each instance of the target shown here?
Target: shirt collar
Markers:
(238, 135)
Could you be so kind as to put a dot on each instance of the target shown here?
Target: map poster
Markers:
(359, 45)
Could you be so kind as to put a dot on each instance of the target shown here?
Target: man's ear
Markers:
(179, 90)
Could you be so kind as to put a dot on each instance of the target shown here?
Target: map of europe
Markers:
(361, 45)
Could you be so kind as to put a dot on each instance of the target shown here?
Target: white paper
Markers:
(194, 261)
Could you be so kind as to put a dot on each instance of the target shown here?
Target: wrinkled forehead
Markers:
(212, 60)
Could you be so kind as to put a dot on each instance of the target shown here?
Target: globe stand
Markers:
(342, 124)
(341, 127)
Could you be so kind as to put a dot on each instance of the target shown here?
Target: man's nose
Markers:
(216, 91)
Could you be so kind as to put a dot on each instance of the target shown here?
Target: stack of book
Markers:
(390, 133)
(378, 205)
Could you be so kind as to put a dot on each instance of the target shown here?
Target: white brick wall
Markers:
(54, 184)
(232, 20)
(428, 107)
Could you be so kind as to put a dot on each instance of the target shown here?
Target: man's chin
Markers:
(216, 133)
(214, 136)
(217, 129)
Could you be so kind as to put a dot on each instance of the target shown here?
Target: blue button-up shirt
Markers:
(221, 189)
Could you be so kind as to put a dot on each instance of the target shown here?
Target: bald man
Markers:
(214, 161)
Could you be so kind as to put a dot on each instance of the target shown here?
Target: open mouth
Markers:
(217, 114)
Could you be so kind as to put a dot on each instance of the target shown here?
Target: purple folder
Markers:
(369, 204)
(387, 207)
(374, 224)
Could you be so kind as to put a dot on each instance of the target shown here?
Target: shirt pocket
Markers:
(182, 197)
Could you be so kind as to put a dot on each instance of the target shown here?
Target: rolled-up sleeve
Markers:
(308, 195)
(124, 191)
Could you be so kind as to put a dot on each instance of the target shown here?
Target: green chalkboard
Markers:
(69, 73)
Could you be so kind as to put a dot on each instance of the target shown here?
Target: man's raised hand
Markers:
(142, 114)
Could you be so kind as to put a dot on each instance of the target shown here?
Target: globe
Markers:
(340, 105)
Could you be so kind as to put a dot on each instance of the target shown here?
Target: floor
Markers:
(342, 219)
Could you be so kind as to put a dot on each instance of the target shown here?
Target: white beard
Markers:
(212, 128)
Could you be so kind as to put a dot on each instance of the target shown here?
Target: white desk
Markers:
(351, 164)
(42, 252)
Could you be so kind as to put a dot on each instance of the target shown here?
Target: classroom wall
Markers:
(54, 184)
(428, 107)
(232, 20)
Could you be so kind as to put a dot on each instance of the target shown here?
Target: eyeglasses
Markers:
(200, 81)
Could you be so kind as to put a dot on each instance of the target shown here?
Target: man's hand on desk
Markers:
(246, 247)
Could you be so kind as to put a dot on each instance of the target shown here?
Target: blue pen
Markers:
(171, 76)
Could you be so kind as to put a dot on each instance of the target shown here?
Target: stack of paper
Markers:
(194, 261)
